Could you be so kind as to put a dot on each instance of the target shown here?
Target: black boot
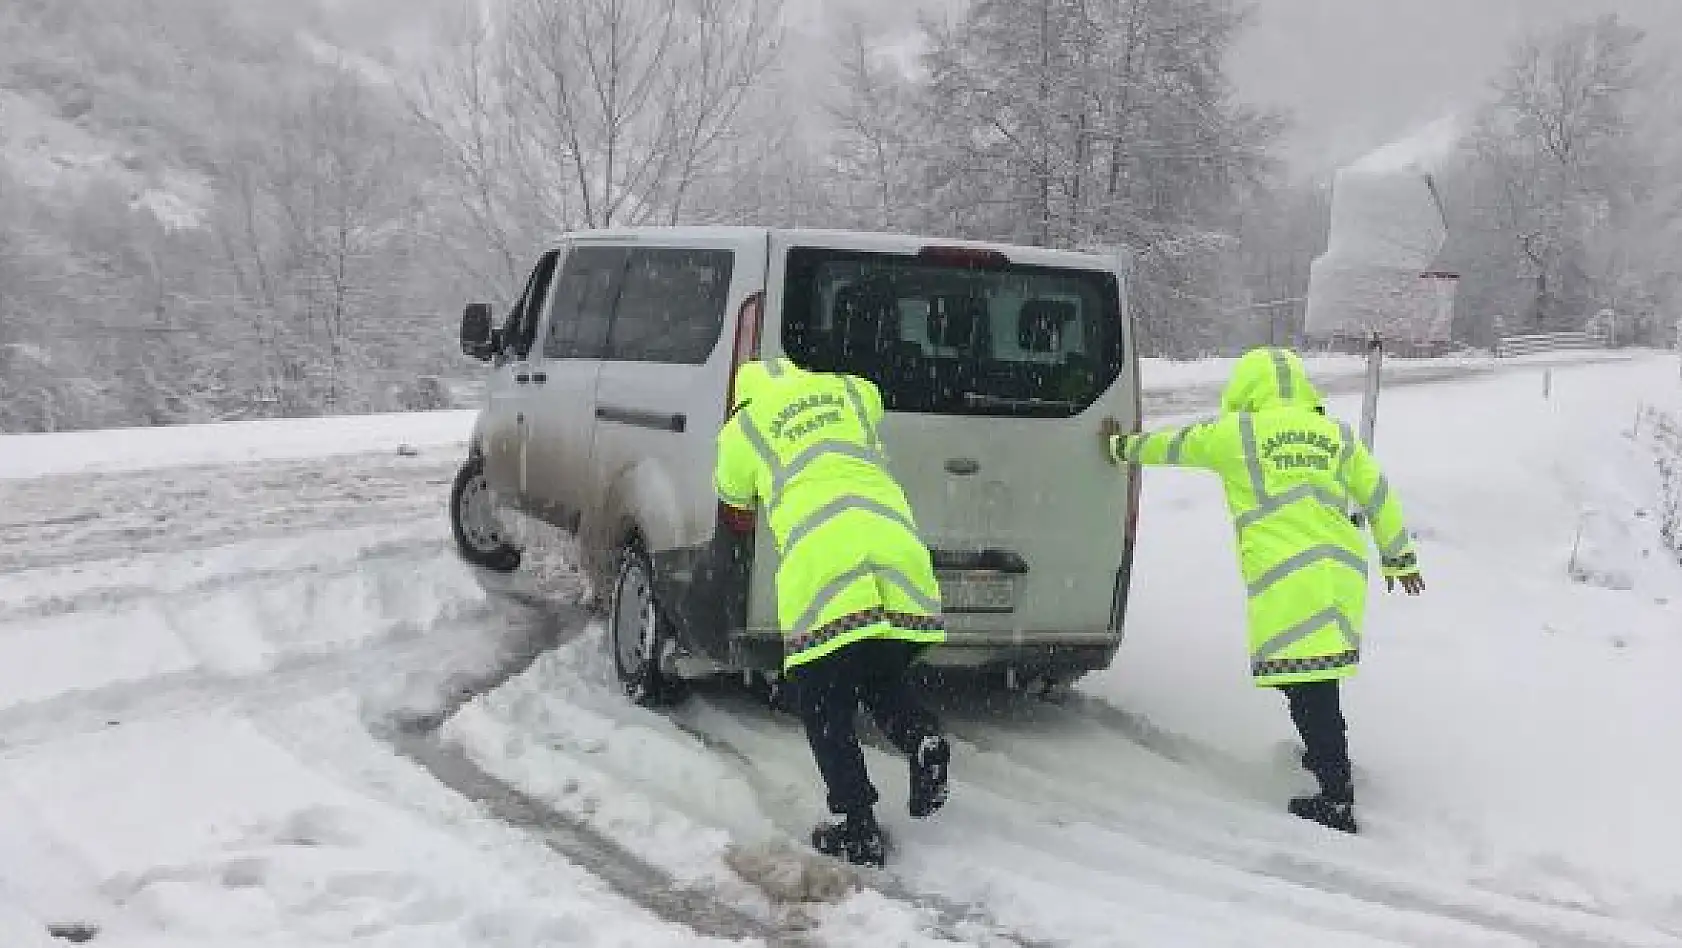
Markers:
(1333, 809)
(929, 767)
(857, 839)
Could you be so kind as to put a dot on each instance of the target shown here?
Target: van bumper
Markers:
(1054, 654)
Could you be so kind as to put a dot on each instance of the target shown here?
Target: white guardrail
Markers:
(1509, 346)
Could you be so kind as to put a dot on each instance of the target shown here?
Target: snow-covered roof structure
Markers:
(1379, 272)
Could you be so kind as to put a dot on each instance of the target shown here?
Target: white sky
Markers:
(1355, 73)
(1361, 72)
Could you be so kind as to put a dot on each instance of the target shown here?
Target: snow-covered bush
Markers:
(1666, 432)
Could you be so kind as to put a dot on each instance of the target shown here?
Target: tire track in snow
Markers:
(597, 696)
(74, 519)
(414, 734)
(290, 679)
(1019, 828)
(1228, 837)
(952, 919)
(1544, 924)
(228, 650)
(938, 918)
(1244, 777)
(579, 843)
(118, 595)
(714, 719)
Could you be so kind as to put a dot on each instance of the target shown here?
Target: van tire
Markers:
(638, 632)
(471, 504)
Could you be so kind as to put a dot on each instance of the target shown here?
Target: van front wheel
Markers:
(638, 634)
(473, 521)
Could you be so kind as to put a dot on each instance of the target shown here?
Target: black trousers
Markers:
(1318, 715)
(872, 672)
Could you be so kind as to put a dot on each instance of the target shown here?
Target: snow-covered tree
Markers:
(1554, 173)
(561, 114)
(1076, 123)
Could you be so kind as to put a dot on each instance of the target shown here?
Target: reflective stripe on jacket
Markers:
(1289, 474)
(804, 446)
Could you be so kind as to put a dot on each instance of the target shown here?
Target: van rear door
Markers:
(995, 366)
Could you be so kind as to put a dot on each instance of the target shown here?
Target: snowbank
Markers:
(1174, 384)
(198, 618)
(142, 449)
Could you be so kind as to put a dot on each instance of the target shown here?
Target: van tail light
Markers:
(735, 519)
(747, 342)
(745, 349)
(977, 258)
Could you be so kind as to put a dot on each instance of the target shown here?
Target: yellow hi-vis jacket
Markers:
(1289, 473)
(804, 446)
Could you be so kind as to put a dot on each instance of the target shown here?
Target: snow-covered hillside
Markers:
(206, 639)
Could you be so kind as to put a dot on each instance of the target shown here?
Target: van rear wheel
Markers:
(473, 520)
(638, 634)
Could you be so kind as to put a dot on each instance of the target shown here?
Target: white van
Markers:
(611, 377)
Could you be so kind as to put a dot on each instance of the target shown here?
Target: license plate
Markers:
(977, 592)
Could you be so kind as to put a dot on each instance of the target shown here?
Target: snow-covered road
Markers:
(219, 683)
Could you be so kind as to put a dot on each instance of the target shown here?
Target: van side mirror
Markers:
(478, 337)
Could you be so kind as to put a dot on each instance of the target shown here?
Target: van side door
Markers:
(562, 422)
(509, 389)
(660, 398)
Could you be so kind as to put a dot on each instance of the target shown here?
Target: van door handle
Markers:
(660, 421)
(522, 378)
(538, 378)
(962, 466)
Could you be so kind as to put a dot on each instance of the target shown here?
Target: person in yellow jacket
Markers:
(857, 599)
(1291, 474)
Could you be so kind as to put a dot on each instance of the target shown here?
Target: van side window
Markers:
(521, 328)
(583, 304)
(671, 308)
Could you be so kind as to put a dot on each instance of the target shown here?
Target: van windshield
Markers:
(955, 339)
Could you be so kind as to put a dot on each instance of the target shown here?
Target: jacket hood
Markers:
(1266, 378)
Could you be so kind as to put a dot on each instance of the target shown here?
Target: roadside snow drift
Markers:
(128, 450)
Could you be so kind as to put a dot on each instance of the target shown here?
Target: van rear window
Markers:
(952, 339)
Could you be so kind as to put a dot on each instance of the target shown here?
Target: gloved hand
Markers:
(1412, 583)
